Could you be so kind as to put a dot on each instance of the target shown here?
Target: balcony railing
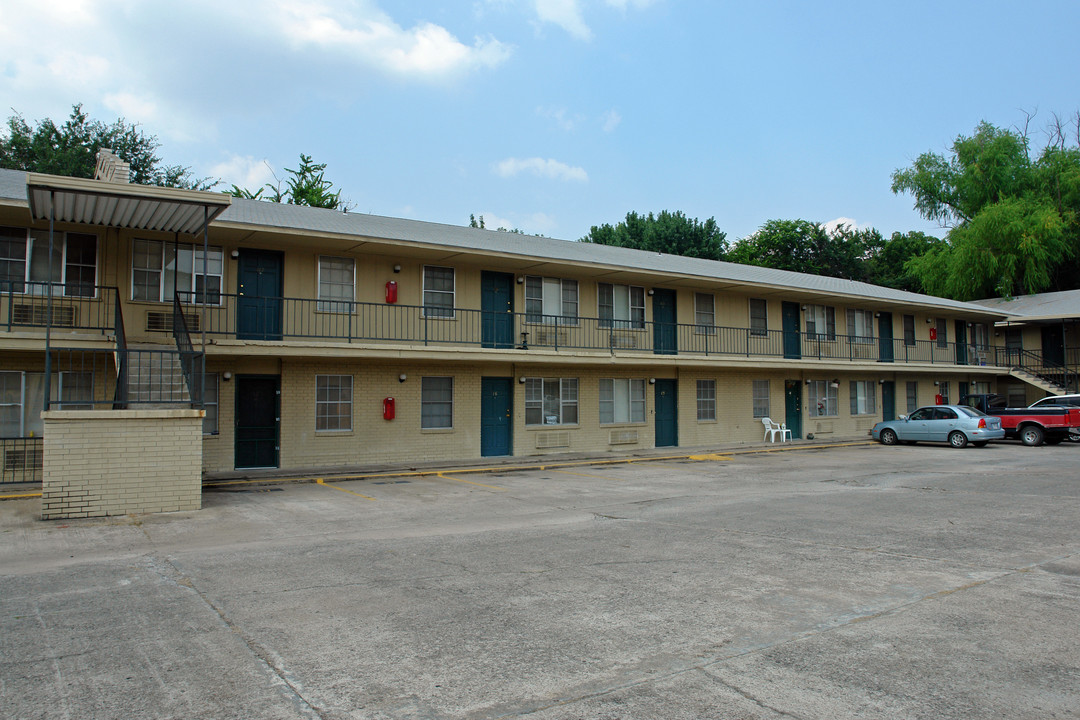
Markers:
(74, 306)
(297, 319)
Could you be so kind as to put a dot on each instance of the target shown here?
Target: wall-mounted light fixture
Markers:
(877, 314)
(936, 383)
(521, 379)
(803, 308)
(881, 382)
(402, 377)
(809, 381)
(234, 254)
(651, 291)
(397, 267)
(652, 381)
(226, 376)
(929, 320)
(520, 279)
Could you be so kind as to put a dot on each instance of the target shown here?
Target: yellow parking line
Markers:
(710, 456)
(20, 496)
(335, 487)
(470, 482)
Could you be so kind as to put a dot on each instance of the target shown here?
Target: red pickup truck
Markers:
(1033, 425)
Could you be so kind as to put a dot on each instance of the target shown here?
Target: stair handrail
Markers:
(1036, 364)
(120, 395)
(188, 354)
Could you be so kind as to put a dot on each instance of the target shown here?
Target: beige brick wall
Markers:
(121, 461)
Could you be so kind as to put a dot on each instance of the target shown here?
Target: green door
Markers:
(885, 337)
(664, 324)
(496, 310)
(888, 400)
(789, 313)
(496, 416)
(961, 343)
(257, 421)
(258, 307)
(667, 413)
(793, 407)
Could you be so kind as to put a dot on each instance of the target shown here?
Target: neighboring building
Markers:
(334, 339)
(1040, 339)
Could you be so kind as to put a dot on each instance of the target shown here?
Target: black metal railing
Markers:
(74, 306)
(21, 460)
(191, 361)
(299, 319)
(1034, 362)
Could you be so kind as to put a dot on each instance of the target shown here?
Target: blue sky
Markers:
(555, 115)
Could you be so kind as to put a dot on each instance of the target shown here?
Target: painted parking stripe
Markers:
(319, 481)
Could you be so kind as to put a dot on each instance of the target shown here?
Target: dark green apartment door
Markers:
(259, 286)
(885, 337)
(789, 315)
(793, 407)
(888, 400)
(665, 341)
(257, 420)
(496, 310)
(961, 343)
(667, 412)
(496, 416)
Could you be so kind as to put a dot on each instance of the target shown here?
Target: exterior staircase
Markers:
(155, 378)
(1039, 381)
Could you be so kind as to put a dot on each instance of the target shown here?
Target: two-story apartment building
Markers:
(332, 339)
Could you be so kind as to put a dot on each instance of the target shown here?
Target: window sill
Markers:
(436, 431)
(561, 426)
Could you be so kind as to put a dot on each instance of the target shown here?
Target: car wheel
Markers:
(981, 443)
(888, 437)
(1032, 436)
(957, 439)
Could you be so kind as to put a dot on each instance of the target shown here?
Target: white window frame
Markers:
(860, 326)
(189, 294)
(439, 311)
(336, 296)
(622, 401)
(30, 238)
(824, 316)
(551, 301)
(626, 309)
(706, 400)
(29, 406)
(338, 396)
(822, 399)
(759, 322)
(425, 420)
(565, 409)
(704, 314)
(863, 397)
(761, 392)
(912, 396)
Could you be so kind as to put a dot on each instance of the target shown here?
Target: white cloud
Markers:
(836, 224)
(560, 116)
(611, 120)
(636, 4)
(369, 36)
(552, 169)
(243, 171)
(566, 14)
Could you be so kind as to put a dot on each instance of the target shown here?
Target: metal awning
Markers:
(120, 205)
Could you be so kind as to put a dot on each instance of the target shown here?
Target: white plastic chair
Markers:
(771, 429)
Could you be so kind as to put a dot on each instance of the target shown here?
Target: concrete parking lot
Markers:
(844, 582)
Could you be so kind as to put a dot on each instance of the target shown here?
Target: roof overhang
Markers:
(121, 205)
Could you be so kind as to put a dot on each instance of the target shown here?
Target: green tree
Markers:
(887, 263)
(305, 185)
(71, 150)
(667, 232)
(1012, 219)
(805, 246)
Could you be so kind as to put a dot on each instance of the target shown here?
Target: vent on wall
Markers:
(162, 322)
(552, 439)
(38, 314)
(624, 341)
(623, 437)
(824, 427)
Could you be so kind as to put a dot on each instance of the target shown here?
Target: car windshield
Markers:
(970, 411)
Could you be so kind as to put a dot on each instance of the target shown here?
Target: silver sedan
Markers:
(954, 424)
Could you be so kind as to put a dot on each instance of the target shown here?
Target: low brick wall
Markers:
(115, 462)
